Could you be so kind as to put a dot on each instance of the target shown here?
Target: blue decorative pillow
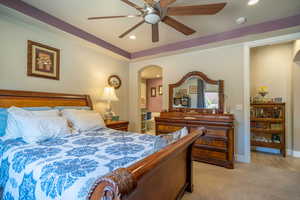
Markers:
(4, 115)
(3, 119)
(73, 107)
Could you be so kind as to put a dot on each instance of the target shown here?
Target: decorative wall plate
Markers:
(114, 81)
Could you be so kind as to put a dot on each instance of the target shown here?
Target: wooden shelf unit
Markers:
(268, 122)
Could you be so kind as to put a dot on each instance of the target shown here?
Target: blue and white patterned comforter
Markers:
(66, 168)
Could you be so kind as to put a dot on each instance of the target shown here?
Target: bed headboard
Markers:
(41, 99)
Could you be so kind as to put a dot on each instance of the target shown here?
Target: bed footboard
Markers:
(164, 175)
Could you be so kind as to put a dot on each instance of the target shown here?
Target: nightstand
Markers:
(117, 125)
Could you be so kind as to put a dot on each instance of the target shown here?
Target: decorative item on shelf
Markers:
(114, 81)
(43, 61)
(276, 138)
(278, 100)
(109, 95)
(153, 92)
(263, 91)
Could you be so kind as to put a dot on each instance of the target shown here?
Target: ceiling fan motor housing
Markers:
(152, 16)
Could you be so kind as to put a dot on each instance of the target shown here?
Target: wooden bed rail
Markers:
(120, 183)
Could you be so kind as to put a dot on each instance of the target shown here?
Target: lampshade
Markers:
(109, 94)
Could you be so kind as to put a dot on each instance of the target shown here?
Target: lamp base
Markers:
(108, 115)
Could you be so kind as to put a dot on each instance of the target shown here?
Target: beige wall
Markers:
(84, 67)
(220, 63)
(271, 66)
(296, 99)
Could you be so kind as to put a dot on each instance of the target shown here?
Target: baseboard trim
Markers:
(241, 158)
(296, 154)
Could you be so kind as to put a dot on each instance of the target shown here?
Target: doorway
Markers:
(257, 82)
(150, 98)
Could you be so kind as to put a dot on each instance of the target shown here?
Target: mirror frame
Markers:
(220, 83)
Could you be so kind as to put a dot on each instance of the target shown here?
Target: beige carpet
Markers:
(268, 177)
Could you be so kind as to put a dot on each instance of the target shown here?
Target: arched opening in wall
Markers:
(150, 97)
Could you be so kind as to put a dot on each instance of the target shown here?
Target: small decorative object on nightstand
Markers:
(109, 95)
(117, 125)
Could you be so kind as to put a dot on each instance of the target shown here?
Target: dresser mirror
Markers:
(196, 92)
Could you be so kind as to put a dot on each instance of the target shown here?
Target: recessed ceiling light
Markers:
(132, 37)
(241, 20)
(252, 2)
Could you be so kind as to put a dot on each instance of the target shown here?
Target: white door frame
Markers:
(247, 47)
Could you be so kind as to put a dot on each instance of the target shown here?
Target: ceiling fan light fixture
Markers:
(152, 18)
(132, 37)
(241, 20)
(252, 2)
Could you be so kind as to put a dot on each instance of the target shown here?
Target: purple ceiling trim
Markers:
(64, 26)
(236, 33)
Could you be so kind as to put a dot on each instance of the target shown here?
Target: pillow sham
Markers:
(84, 120)
(38, 128)
(12, 130)
(72, 107)
(173, 137)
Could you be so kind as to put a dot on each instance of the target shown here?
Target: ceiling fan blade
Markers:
(131, 29)
(209, 9)
(178, 26)
(133, 5)
(165, 3)
(155, 33)
(112, 17)
(149, 2)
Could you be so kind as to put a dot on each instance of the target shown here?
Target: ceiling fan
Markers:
(154, 12)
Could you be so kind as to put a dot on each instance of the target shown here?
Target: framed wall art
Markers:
(42, 61)
(153, 92)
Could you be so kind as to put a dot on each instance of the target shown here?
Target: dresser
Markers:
(117, 125)
(216, 146)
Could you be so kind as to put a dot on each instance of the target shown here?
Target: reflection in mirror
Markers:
(196, 93)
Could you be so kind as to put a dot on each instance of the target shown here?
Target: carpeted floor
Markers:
(268, 177)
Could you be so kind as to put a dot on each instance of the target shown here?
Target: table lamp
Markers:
(109, 95)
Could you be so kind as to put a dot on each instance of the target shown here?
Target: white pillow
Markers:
(48, 113)
(38, 128)
(12, 130)
(84, 120)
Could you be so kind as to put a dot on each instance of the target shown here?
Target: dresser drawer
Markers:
(216, 132)
(198, 153)
(212, 142)
(167, 128)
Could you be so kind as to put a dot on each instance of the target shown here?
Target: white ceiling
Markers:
(76, 13)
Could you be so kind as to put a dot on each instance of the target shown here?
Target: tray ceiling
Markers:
(76, 13)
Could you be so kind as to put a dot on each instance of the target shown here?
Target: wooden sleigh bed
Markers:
(164, 175)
